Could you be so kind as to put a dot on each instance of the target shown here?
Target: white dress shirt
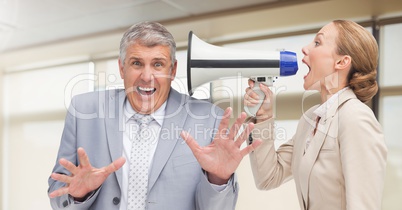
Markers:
(320, 112)
(129, 133)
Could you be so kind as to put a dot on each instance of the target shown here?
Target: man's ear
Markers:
(344, 62)
(121, 69)
(174, 69)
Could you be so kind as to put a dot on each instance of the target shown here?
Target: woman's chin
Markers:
(314, 86)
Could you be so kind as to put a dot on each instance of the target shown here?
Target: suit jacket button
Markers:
(116, 200)
(65, 203)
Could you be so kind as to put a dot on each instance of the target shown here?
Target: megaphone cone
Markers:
(206, 63)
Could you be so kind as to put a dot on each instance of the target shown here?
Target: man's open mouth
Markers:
(146, 90)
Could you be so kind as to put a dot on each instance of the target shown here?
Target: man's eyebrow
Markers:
(160, 59)
(134, 58)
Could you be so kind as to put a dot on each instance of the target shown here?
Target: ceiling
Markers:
(25, 23)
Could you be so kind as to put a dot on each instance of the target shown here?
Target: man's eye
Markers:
(136, 63)
(158, 65)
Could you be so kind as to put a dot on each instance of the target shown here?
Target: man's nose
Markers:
(147, 74)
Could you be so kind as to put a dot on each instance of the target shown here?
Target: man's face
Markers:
(147, 73)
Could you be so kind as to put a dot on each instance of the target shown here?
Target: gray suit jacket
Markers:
(176, 180)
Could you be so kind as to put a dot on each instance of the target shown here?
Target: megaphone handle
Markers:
(252, 110)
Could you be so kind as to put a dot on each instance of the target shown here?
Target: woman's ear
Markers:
(344, 62)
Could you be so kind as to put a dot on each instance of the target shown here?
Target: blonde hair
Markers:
(361, 46)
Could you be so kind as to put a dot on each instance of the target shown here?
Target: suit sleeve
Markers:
(363, 155)
(208, 198)
(270, 168)
(67, 150)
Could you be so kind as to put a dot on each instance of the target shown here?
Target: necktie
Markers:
(139, 164)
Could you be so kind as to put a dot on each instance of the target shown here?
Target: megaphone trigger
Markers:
(252, 110)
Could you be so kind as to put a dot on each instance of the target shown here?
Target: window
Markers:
(35, 106)
(391, 55)
(390, 111)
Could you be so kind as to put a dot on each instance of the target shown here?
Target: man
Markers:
(100, 164)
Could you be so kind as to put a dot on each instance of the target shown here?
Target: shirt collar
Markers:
(321, 111)
(158, 115)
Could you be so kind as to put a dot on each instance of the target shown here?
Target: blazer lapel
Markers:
(317, 141)
(114, 125)
(175, 116)
(310, 157)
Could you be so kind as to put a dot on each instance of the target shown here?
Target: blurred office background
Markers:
(51, 50)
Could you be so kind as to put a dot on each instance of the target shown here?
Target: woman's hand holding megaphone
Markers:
(252, 98)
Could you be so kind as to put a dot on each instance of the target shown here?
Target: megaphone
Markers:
(206, 63)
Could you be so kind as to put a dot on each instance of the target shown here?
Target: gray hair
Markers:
(149, 34)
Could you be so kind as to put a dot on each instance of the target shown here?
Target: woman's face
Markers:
(320, 56)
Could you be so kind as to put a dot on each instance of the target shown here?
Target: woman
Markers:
(338, 155)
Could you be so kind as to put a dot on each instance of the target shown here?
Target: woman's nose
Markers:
(305, 50)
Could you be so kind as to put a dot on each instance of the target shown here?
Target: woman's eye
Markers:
(316, 43)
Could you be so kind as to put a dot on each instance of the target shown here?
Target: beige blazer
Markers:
(343, 167)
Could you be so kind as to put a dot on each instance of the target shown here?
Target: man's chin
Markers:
(144, 109)
(147, 104)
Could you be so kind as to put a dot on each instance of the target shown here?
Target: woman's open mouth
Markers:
(309, 69)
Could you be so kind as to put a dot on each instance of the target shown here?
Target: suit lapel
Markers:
(114, 125)
(175, 116)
